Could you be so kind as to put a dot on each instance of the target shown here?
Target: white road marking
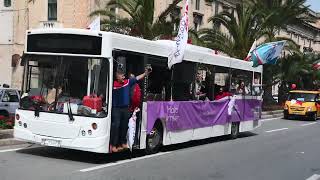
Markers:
(308, 124)
(271, 119)
(314, 177)
(274, 130)
(10, 150)
(122, 162)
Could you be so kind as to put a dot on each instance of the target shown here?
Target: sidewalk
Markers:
(6, 138)
(272, 114)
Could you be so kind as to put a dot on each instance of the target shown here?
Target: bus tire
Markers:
(154, 139)
(234, 130)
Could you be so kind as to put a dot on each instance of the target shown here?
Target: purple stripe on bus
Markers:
(184, 115)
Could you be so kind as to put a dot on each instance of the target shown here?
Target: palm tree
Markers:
(274, 15)
(242, 30)
(296, 68)
(278, 14)
(141, 21)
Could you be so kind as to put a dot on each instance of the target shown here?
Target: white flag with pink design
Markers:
(176, 56)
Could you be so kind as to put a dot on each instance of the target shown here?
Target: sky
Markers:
(315, 5)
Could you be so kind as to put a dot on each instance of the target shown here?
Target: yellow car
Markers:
(302, 104)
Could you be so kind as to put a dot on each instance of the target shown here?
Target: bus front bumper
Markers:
(93, 144)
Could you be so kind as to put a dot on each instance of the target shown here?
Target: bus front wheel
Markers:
(154, 139)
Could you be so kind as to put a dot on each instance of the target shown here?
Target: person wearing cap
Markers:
(120, 109)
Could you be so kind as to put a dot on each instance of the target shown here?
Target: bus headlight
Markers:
(309, 109)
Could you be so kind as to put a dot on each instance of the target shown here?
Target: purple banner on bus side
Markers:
(184, 115)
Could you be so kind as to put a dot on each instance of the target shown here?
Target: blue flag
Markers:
(267, 53)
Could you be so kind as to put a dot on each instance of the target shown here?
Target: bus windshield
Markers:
(304, 97)
(61, 83)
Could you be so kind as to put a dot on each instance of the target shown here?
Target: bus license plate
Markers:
(50, 142)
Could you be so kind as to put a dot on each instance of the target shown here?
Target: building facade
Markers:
(6, 40)
(17, 16)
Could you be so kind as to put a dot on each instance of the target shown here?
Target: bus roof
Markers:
(158, 48)
(305, 92)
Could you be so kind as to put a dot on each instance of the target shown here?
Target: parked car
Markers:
(9, 101)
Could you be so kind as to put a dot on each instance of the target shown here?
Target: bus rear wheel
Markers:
(154, 139)
(234, 130)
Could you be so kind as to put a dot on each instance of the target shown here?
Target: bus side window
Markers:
(159, 80)
(222, 81)
(257, 86)
(183, 77)
(242, 81)
(204, 84)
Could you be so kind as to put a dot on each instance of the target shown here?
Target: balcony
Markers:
(50, 24)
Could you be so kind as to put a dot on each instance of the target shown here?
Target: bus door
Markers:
(133, 64)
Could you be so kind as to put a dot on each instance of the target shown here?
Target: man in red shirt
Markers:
(120, 109)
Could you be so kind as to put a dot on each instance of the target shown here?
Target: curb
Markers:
(6, 138)
(6, 131)
(271, 116)
(272, 112)
(10, 141)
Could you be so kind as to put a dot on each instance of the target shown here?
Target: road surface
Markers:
(278, 150)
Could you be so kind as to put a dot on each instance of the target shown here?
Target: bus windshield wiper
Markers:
(71, 118)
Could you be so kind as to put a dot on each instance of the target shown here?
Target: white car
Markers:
(9, 101)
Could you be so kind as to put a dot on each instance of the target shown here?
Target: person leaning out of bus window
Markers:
(120, 109)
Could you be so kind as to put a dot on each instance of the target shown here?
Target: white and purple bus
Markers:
(207, 95)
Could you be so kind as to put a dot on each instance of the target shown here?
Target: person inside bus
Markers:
(135, 95)
(198, 88)
(120, 111)
(241, 89)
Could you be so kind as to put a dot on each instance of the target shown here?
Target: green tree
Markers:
(298, 69)
(274, 15)
(141, 22)
(242, 30)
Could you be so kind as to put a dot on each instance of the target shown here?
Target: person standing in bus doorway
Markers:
(120, 109)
